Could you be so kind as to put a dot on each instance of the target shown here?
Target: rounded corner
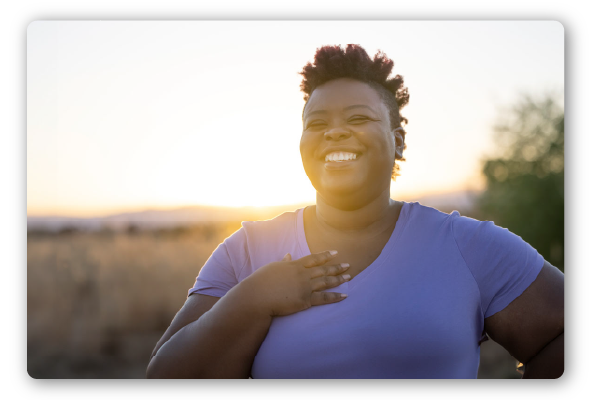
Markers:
(30, 22)
(560, 24)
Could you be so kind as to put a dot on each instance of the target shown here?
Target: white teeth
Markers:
(340, 156)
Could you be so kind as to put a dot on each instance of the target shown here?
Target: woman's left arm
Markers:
(531, 326)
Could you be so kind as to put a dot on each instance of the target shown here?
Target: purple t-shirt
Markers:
(416, 312)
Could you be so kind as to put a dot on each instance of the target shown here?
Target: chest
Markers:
(358, 250)
(410, 317)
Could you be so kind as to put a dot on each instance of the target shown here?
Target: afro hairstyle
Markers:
(333, 62)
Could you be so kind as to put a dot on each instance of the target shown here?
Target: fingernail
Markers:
(344, 265)
(333, 252)
(343, 295)
(346, 277)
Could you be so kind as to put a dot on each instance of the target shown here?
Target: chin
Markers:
(341, 187)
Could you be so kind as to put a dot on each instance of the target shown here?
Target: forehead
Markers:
(337, 94)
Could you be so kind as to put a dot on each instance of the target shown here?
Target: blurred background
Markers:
(147, 141)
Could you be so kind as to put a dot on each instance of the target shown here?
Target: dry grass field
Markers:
(97, 303)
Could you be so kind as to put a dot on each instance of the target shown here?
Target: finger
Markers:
(320, 298)
(326, 282)
(287, 257)
(328, 270)
(314, 260)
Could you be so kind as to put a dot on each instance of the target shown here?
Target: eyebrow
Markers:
(345, 109)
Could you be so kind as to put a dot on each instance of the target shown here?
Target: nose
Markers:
(337, 134)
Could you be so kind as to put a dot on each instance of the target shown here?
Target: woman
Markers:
(360, 285)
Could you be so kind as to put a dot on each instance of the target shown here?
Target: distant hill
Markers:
(149, 219)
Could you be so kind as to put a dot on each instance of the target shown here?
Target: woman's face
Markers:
(347, 146)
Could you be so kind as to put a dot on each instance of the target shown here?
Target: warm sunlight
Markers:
(223, 166)
(126, 115)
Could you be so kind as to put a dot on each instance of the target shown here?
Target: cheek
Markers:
(382, 144)
(308, 146)
(302, 147)
(306, 153)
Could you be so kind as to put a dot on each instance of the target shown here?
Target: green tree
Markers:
(525, 183)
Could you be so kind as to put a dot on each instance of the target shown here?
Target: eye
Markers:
(359, 119)
(315, 125)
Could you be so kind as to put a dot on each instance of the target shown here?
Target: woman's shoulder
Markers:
(429, 220)
(424, 214)
(280, 230)
(282, 221)
(255, 232)
(269, 240)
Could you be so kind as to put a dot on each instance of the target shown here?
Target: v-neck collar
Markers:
(385, 253)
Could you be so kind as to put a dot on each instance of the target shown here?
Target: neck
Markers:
(372, 216)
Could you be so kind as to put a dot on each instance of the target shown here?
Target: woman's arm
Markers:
(548, 363)
(221, 343)
(224, 340)
(531, 326)
(194, 307)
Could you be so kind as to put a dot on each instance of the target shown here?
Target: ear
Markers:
(399, 141)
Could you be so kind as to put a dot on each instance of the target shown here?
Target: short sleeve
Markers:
(502, 263)
(221, 271)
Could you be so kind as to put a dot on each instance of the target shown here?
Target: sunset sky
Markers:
(133, 115)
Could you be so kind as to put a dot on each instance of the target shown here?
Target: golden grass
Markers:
(100, 301)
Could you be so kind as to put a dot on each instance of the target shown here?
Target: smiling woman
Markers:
(360, 285)
(345, 116)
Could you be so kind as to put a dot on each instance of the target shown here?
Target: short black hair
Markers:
(333, 62)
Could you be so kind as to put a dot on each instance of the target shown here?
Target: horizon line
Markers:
(109, 211)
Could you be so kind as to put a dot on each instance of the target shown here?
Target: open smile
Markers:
(340, 160)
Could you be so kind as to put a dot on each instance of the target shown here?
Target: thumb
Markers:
(287, 257)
